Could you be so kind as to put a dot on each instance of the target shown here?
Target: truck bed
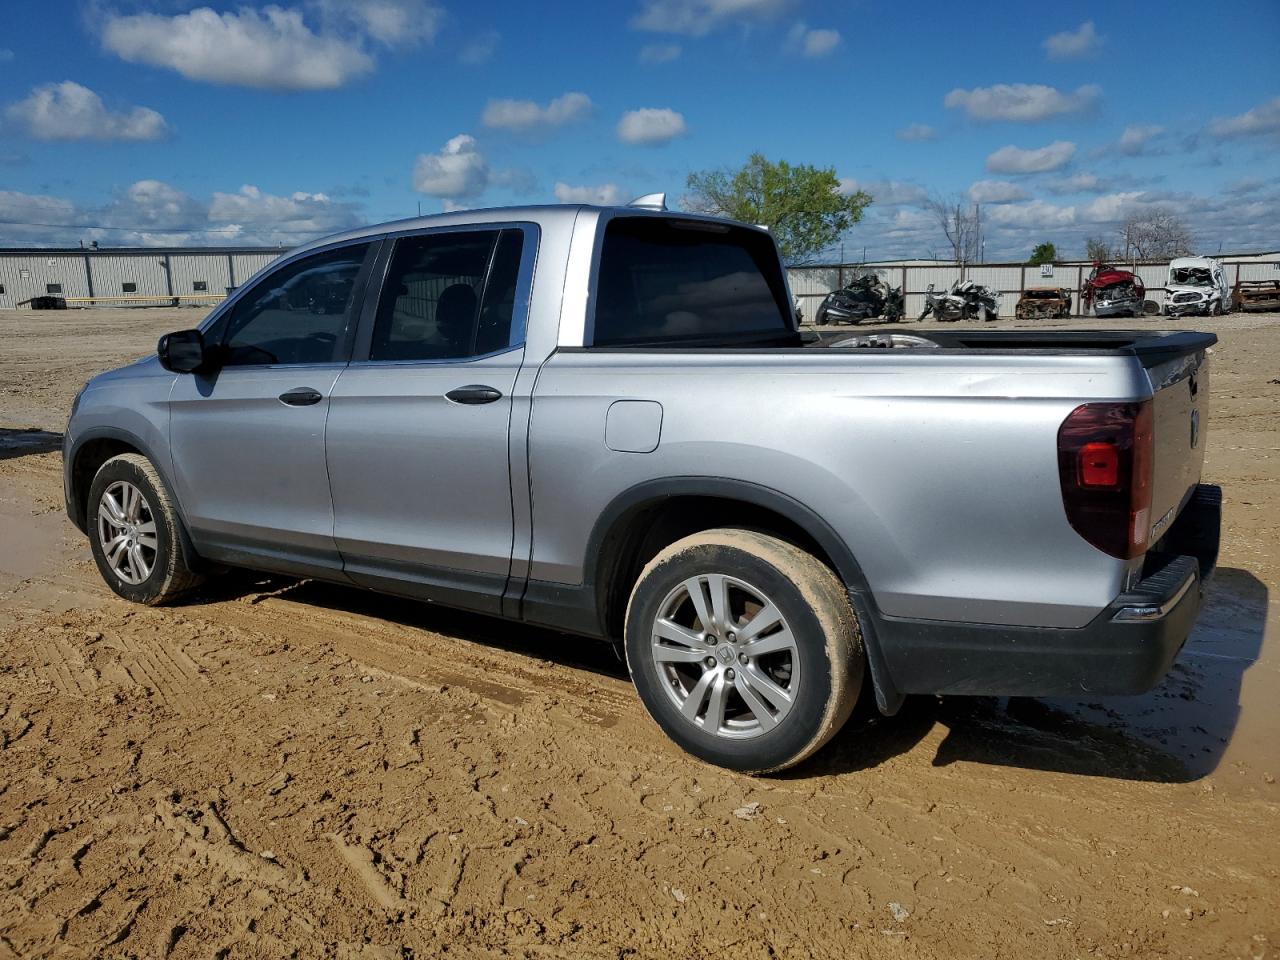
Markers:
(1149, 346)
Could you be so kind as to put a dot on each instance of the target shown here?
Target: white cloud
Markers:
(154, 213)
(1237, 222)
(1111, 208)
(660, 52)
(1022, 102)
(812, 43)
(395, 23)
(272, 49)
(698, 17)
(1261, 120)
(1034, 213)
(885, 193)
(1245, 185)
(525, 116)
(1012, 159)
(1078, 183)
(458, 170)
(155, 205)
(604, 195)
(480, 49)
(917, 132)
(1136, 139)
(22, 209)
(651, 125)
(997, 191)
(1083, 41)
(68, 111)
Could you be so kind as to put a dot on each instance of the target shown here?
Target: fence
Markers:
(812, 284)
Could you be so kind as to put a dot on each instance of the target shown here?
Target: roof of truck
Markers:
(550, 215)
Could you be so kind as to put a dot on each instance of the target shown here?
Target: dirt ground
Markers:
(292, 769)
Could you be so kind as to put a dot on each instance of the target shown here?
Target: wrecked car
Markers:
(1039, 303)
(1253, 295)
(1112, 292)
(965, 301)
(861, 299)
(1196, 285)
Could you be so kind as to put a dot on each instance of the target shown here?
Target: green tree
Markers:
(1043, 253)
(802, 205)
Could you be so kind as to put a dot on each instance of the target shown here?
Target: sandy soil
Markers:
(291, 769)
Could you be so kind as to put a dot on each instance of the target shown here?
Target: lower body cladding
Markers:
(1126, 649)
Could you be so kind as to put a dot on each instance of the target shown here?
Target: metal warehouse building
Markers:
(126, 276)
(136, 276)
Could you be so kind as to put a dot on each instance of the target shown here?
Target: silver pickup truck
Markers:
(606, 421)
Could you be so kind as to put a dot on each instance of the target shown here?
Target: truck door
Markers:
(418, 432)
(248, 437)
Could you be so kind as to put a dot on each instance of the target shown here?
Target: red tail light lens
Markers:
(1104, 464)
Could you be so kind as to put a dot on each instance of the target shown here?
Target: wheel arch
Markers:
(94, 448)
(645, 518)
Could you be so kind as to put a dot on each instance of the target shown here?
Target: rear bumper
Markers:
(1127, 648)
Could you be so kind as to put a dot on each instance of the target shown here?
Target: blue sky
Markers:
(162, 121)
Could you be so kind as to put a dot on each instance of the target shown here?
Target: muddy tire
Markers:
(135, 533)
(744, 649)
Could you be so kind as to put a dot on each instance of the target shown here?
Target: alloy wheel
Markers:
(127, 532)
(726, 657)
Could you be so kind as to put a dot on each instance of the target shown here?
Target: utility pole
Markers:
(982, 242)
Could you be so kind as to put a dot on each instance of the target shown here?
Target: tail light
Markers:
(1104, 464)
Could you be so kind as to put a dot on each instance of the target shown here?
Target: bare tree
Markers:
(1098, 250)
(1155, 234)
(959, 221)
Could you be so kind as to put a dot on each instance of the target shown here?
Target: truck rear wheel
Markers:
(745, 649)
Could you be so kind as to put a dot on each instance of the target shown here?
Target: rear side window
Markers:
(672, 281)
(448, 296)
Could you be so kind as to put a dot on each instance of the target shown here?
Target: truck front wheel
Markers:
(744, 648)
(135, 534)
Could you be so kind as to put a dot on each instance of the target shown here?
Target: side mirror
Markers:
(182, 352)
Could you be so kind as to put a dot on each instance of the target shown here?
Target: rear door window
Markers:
(687, 281)
(448, 296)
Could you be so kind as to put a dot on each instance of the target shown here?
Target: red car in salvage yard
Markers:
(1112, 292)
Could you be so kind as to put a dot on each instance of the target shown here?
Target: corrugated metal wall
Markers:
(186, 269)
(247, 264)
(104, 273)
(146, 274)
(24, 277)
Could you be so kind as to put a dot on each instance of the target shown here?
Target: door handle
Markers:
(301, 397)
(474, 393)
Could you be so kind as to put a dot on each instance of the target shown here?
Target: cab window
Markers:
(448, 296)
(301, 313)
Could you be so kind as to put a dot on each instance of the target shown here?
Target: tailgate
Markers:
(1180, 384)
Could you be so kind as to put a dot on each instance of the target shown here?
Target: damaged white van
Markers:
(1196, 285)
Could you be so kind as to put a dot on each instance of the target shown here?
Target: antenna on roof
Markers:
(650, 201)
